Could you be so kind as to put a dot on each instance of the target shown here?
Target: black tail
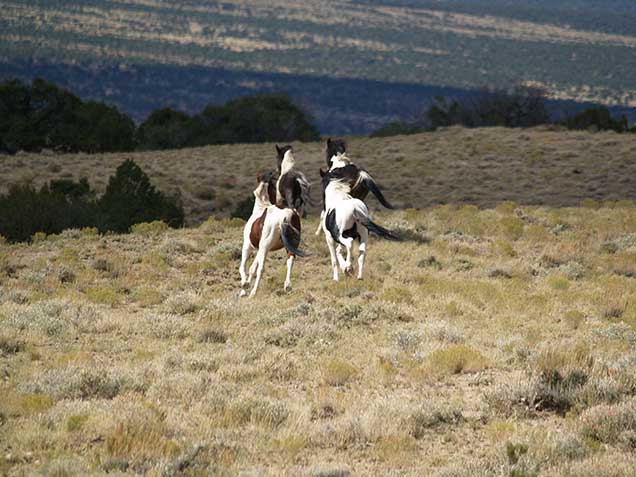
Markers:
(289, 234)
(378, 229)
(373, 187)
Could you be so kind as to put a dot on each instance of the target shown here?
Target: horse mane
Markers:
(340, 187)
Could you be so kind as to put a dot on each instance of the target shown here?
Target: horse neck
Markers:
(339, 160)
(288, 163)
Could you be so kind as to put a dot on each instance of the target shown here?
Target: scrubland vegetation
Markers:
(495, 340)
(483, 167)
(491, 342)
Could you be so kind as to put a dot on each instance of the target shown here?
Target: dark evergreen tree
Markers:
(130, 198)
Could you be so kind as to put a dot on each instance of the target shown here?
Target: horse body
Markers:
(346, 219)
(359, 181)
(269, 228)
(341, 167)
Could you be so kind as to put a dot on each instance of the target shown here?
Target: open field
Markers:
(482, 167)
(492, 342)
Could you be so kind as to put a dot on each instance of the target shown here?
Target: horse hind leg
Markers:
(348, 243)
(290, 264)
(341, 260)
(332, 252)
(362, 252)
(260, 265)
(245, 255)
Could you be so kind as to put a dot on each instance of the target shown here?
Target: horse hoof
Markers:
(287, 287)
(242, 293)
(348, 271)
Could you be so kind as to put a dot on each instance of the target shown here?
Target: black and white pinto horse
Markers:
(347, 219)
(340, 167)
(269, 228)
(358, 178)
(292, 187)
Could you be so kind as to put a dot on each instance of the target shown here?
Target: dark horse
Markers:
(292, 187)
(339, 167)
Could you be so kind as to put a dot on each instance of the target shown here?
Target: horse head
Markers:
(280, 155)
(334, 147)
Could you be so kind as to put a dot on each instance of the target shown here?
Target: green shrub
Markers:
(60, 205)
(30, 214)
(131, 199)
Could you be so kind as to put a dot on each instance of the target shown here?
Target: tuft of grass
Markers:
(395, 448)
(558, 282)
(424, 420)
(397, 294)
(454, 359)
(38, 237)
(511, 227)
(212, 335)
(429, 262)
(33, 403)
(610, 424)
(103, 295)
(337, 372)
(149, 229)
(260, 412)
(10, 345)
(573, 319)
(146, 296)
(291, 444)
(76, 422)
(139, 441)
(503, 248)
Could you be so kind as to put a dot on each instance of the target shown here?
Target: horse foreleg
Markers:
(290, 264)
(364, 236)
(332, 251)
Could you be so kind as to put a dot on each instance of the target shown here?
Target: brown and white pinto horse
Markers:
(269, 228)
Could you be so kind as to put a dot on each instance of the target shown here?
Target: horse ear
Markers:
(328, 141)
(259, 178)
(322, 173)
(278, 148)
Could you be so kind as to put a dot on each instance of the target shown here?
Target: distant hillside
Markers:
(337, 105)
(577, 49)
(464, 166)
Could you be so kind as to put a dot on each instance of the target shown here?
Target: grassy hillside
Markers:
(475, 166)
(491, 342)
(580, 50)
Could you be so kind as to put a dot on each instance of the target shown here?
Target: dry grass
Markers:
(483, 167)
(479, 351)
